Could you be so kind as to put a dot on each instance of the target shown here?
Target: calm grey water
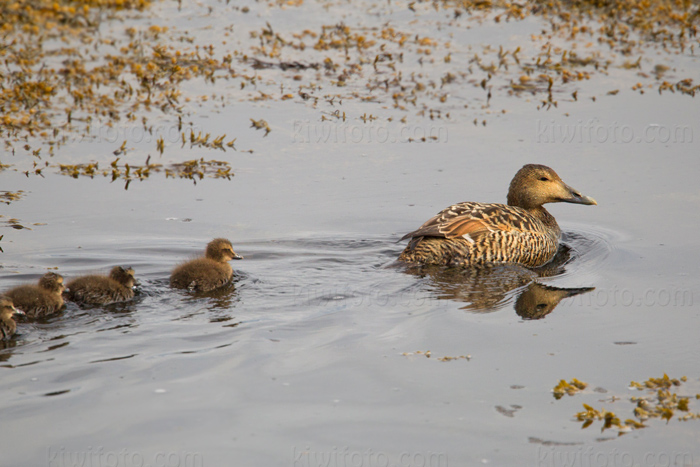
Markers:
(310, 357)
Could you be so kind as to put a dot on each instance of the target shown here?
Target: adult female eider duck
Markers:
(208, 272)
(39, 300)
(7, 325)
(521, 232)
(103, 290)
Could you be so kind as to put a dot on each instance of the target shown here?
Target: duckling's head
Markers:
(221, 250)
(52, 282)
(535, 185)
(7, 309)
(124, 276)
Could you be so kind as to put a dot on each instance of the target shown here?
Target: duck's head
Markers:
(535, 185)
(124, 276)
(221, 250)
(7, 308)
(52, 282)
(539, 300)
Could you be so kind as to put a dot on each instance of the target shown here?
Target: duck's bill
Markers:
(237, 256)
(576, 197)
(578, 291)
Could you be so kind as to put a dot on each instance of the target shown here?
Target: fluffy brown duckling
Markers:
(103, 290)
(7, 325)
(521, 232)
(208, 272)
(39, 300)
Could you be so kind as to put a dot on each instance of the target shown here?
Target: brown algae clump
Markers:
(569, 388)
(659, 403)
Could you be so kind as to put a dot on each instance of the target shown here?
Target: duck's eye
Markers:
(544, 179)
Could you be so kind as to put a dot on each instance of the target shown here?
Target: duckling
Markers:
(521, 232)
(39, 300)
(208, 272)
(7, 325)
(103, 290)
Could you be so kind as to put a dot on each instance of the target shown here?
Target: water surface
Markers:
(313, 350)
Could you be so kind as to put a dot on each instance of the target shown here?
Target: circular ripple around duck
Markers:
(590, 248)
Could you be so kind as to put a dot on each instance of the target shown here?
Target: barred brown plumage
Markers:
(521, 232)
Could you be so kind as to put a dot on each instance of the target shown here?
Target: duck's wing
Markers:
(470, 220)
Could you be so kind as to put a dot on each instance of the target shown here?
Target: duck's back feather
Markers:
(476, 233)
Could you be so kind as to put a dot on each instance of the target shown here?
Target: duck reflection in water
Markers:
(489, 288)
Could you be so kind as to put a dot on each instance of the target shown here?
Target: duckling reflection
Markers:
(4, 345)
(490, 287)
(220, 298)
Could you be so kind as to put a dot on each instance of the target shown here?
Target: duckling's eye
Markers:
(544, 179)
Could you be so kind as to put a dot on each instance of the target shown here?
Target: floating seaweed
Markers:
(428, 354)
(9, 196)
(71, 68)
(659, 403)
(570, 388)
(260, 125)
(195, 169)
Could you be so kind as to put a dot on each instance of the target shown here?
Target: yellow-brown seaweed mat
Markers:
(660, 402)
(71, 68)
